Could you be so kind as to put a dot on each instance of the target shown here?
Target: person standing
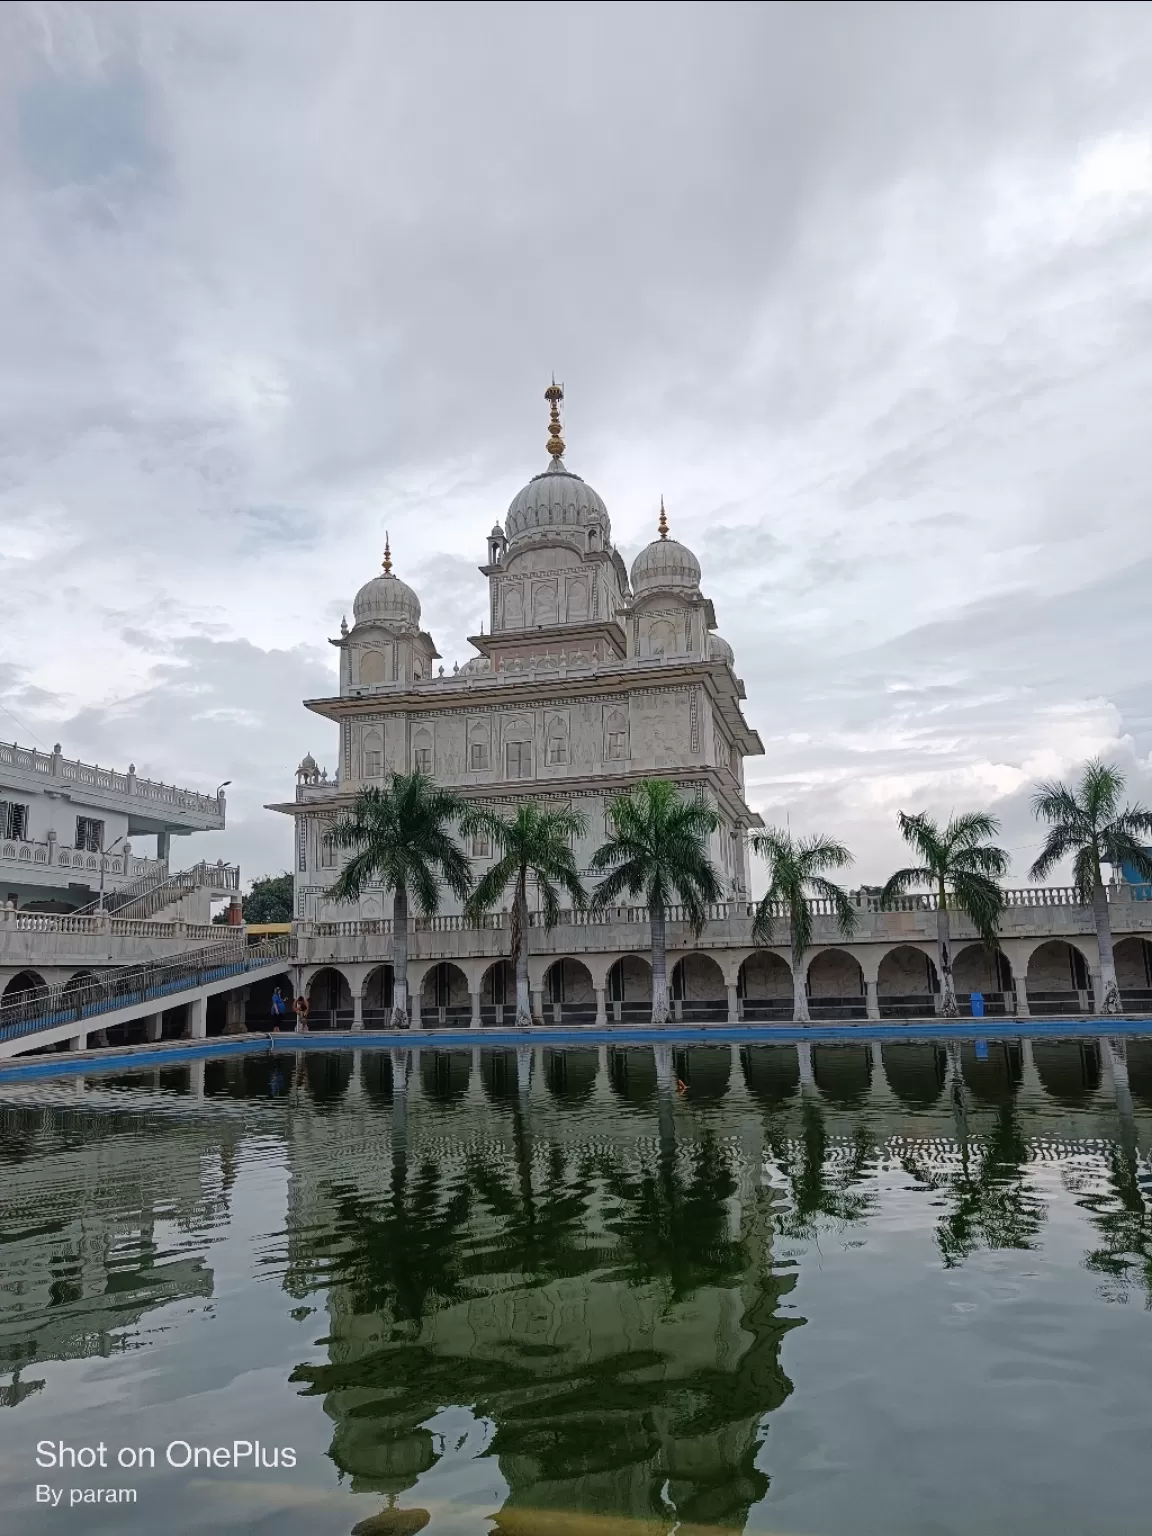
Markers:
(300, 1009)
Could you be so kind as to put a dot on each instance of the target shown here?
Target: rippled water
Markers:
(901, 1291)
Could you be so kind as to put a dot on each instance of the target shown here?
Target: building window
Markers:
(89, 834)
(616, 745)
(13, 820)
(327, 852)
(481, 845)
(478, 755)
(557, 749)
(519, 759)
(373, 763)
(422, 759)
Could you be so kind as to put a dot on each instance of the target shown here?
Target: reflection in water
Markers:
(597, 1256)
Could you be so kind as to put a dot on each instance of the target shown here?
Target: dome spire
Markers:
(663, 523)
(554, 394)
(387, 554)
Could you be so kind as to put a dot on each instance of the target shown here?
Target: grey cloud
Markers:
(843, 281)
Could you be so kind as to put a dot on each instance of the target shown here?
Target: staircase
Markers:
(135, 988)
(152, 892)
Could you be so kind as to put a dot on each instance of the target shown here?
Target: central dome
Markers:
(556, 499)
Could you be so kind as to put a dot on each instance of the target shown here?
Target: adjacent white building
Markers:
(589, 678)
(60, 819)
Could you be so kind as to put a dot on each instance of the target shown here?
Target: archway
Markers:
(1134, 974)
(630, 990)
(843, 1073)
(22, 985)
(329, 1000)
(379, 991)
(569, 996)
(764, 987)
(1139, 1056)
(632, 1073)
(498, 1075)
(571, 1074)
(1069, 1070)
(976, 968)
(836, 986)
(992, 1077)
(915, 1073)
(697, 989)
(906, 984)
(704, 1070)
(444, 1075)
(498, 994)
(327, 1075)
(258, 1007)
(1058, 980)
(771, 1073)
(444, 999)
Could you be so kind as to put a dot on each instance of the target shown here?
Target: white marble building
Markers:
(589, 678)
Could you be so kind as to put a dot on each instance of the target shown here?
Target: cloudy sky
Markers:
(864, 290)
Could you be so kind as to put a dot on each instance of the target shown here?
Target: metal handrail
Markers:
(89, 997)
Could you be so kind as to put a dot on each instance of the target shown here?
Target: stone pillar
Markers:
(601, 1011)
(537, 1005)
(162, 839)
(804, 1056)
(358, 1010)
(154, 1027)
(1021, 1001)
(414, 1008)
(872, 999)
(78, 1043)
(197, 1018)
(733, 1005)
(475, 1021)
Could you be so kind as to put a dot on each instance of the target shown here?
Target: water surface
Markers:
(900, 1290)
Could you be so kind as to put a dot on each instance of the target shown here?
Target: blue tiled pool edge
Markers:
(166, 1052)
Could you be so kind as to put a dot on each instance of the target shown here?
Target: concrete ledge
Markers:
(141, 1057)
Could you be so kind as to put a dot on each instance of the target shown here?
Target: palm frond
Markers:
(905, 880)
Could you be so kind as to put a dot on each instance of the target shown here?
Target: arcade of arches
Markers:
(844, 982)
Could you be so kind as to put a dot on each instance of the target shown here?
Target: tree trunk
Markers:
(659, 966)
(520, 953)
(400, 957)
(1109, 999)
(799, 989)
(944, 954)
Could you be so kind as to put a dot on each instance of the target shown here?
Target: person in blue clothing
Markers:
(279, 1008)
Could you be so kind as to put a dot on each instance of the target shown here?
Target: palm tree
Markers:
(960, 865)
(1086, 822)
(658, 846)
(537, 844)
(402, 840)
(796, 874)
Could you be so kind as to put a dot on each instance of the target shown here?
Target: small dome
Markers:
(308, 765)
(497, 531)
(720, 650)
(387, 600)
(475, 667)
(556, 499)
(665, 563)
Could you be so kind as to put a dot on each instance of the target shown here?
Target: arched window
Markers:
(373, 668)
(422, 752)
(327, 851)
(373, 755)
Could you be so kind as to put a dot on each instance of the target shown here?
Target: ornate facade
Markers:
(588, 679)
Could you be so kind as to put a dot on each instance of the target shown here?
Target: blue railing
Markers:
(90, 996)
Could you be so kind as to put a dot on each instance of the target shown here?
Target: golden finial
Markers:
(663, 524)
(387, 555)
(554, 394)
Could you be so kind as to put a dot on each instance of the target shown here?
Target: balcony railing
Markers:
(717, 912)
(53, 765)
(42, 855)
